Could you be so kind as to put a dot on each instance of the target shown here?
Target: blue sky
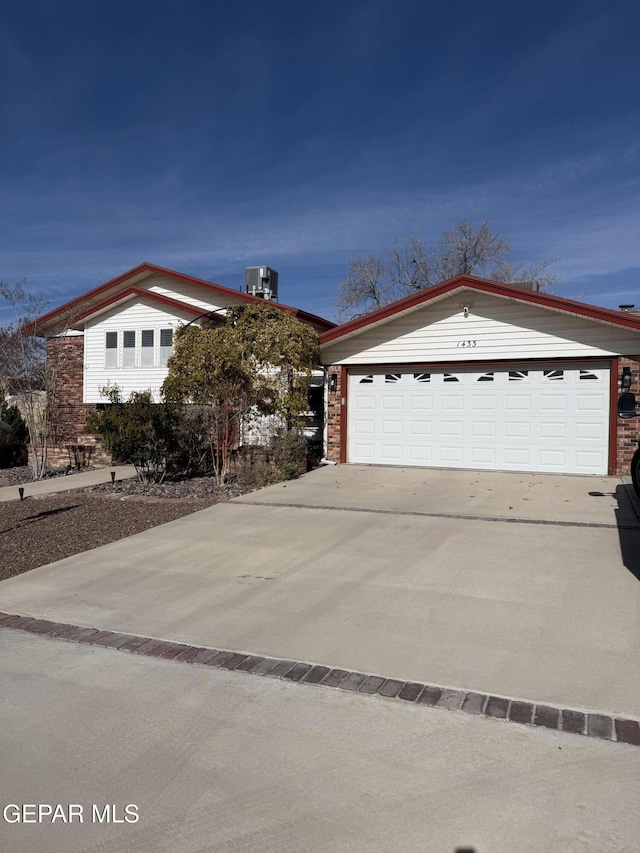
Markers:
(208, 136)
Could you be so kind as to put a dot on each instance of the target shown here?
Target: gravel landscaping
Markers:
(38, 531)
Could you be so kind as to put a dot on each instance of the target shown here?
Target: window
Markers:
(166, 346)
(553, 375)
(367, 380)
(518, 375)
(129, 349)
(392, 377)
(422, 377)
(449, 377)
(111, 349)
(485, 377)
(588, 374)
(146, 350)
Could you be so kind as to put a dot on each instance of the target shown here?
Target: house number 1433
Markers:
(466, 343)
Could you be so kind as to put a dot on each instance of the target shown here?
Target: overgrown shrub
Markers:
(283, 458)
(195, 444)
(138, 432)
(13, 435)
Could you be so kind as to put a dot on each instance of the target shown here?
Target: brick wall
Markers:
(65, 378)
(333, 414)
(628, 430)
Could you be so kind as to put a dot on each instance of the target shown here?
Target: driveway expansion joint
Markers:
(591, 724)
(452, 515)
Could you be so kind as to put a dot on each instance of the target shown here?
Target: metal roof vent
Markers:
(629, 309)
(262, 282)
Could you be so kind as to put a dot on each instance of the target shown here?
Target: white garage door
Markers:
(520, 419)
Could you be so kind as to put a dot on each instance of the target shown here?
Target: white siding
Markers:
(500, 328)
(183, 292)
(134, 316)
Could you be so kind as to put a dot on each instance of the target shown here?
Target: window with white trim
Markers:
(111, 349)
(128, 349)
(146, 348)
(166, 346)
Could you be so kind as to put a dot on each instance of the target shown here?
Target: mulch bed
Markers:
(38, 531)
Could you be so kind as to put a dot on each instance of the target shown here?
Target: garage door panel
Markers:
(519, 457)
(515, 418)
(391, 427)
(590, 402)
(364, 403)
(364, 452)
(590, 432)
(484, 404)
(391, 452)
(555, 429)
(421, 402)
(481, 456)
(424, 428)
(392, 402)
(517, 429)
(451, 454)
(451, 428)
(586, 461)
(480, 429)
(518, 402)
(554, 403)
(452, 402)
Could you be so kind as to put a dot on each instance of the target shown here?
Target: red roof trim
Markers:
(512, 291)
(123, 295)
(146, 267)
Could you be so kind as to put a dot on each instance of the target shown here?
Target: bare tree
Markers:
(26, 375)
(464, 249)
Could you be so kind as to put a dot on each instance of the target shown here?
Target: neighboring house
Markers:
(481, 375)
(121, 333)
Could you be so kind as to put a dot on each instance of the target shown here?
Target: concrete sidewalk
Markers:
(67, 484)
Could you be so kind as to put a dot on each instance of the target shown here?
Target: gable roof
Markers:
(94, 300)
(130, 292)
(470, 283)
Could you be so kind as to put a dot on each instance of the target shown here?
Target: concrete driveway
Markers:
(524, 587)
(226, 762)
(410, 573)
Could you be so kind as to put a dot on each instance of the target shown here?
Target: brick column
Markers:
(65, 381)
(334, 414)
(628, 429)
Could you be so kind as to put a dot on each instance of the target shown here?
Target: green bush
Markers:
(138, 432)
(13, 435)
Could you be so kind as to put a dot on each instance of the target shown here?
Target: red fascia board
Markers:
(511, 291)
(124, 295)
(152, 268)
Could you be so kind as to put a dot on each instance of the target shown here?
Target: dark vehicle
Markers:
(635, 471)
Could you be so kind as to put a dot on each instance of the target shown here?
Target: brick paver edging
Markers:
(587, 723)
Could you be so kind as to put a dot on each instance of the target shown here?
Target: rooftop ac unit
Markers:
(262, 282)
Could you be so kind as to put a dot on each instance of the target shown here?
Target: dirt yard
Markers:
(38, 531)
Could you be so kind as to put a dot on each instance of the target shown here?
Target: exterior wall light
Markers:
(333, 382)
(625, 379)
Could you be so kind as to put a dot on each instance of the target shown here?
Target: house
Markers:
(122, 333)
(481, 375)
